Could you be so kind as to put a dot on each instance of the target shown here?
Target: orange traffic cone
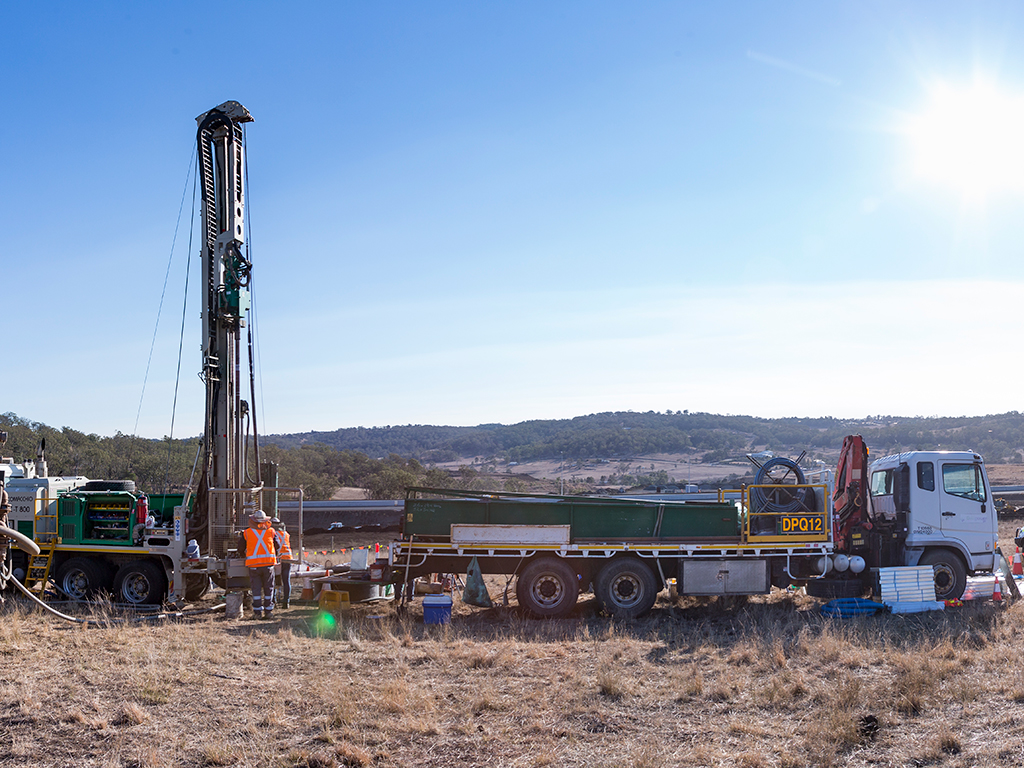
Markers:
(997, 592)
(307, 589)
(1018, 567)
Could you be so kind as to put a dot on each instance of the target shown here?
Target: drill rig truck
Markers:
(97, 535)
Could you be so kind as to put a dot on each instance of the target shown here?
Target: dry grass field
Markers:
(697, 683)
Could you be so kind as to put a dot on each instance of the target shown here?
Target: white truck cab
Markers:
(950, 515)
(31, 491)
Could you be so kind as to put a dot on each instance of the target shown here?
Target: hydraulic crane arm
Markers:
(849, 500)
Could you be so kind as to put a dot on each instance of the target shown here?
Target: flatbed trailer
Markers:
(626, 549)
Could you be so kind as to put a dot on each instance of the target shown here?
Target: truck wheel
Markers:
(626, 588)
(196, 586)
(80, 578)
(140, 582)
(830, 589)
(548, 587)
(950, 573)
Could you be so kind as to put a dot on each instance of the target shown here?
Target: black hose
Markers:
(783, 501)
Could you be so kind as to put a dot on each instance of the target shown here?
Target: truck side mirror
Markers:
(901, 488)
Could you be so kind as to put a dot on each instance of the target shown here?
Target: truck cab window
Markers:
(964, 480)
(881, 482)
(926, 476)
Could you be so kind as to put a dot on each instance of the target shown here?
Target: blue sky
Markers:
(492, 212)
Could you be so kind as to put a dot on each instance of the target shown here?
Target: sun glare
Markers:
(971, 139)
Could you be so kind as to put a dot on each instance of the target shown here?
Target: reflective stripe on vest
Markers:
(284, 541)
(259, 547)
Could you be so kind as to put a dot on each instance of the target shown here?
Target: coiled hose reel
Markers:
(780, 474)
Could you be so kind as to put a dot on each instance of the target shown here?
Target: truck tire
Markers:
(830, 589)
(140, 582)
(626, 587)
(548, 587)
(196, 586)
(80, 578)
(950, 573)
(109, 485)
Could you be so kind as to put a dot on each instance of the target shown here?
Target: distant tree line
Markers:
(1000, 438)
(166, 465)
(386, 460)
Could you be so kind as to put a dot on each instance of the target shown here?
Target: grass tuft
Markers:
(611, 684)
(949, 743)
(350, 755)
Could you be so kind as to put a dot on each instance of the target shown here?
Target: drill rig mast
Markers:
(223, 492)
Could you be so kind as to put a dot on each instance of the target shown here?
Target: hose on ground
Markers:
(113, 620)
(31, 548)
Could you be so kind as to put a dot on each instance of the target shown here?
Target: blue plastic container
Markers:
(437, 609)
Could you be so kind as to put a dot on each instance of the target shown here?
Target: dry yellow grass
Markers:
(772, 684)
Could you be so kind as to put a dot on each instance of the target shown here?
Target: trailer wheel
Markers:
(80, 578)
(950, 573)
(548, 587)
(626, 588)
(196, 586)
(140, 582)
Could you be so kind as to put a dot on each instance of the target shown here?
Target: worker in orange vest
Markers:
(260, 545)
(284, 556)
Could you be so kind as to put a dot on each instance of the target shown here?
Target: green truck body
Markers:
(112, 517)
(625, 550)
(588, 519)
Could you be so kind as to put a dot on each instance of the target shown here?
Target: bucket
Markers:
(334, 602)
(233, 605)
(437, 609)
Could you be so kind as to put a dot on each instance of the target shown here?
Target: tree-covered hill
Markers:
(384, 460)
(167, 465)
(626, 433)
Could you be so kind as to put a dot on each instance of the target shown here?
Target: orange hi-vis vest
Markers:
(259, 547)
(284, 541)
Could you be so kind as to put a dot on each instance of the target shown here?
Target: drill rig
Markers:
(225, 485)
(92, 536)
